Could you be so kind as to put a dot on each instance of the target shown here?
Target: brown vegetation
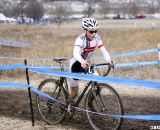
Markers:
(51, 41)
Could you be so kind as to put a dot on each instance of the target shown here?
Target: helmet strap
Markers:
(87, 36)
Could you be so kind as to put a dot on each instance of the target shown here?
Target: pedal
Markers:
(103, 109)
(69, 109)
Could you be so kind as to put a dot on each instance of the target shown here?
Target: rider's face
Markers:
(91, 34)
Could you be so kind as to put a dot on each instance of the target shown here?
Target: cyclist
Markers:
(84, 46)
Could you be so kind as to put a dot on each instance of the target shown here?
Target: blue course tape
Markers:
(49, 67)
(12, 85)
(135, 117)
(55, 100)
(101, 79)
(22, 66)
(14, 66)
(130, 54)
(96, 57)
(134, 64)
(136, 53)
(138, 117)
(21, 58)
(43, 94)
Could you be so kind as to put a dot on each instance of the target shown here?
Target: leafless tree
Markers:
(106, 7)
(5, 7)
(62, 12)
(34, 9)
(133, 8)
(151, 7)
(16, 11)
(158, 6)
(89, 10)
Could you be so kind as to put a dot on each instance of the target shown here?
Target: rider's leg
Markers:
(92, 97)
(74, 91)
(74, 87)
(75, 68)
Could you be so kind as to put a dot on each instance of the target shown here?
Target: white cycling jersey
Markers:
(83, 49)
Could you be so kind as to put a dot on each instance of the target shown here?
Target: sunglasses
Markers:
(93, 31)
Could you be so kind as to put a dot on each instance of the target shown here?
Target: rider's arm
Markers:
(103, 50)
(105, 54)
(78, 47)
(77, 53)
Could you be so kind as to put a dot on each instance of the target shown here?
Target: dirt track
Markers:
(15, 111)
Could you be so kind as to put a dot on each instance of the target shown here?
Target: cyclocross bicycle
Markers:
(101, 101)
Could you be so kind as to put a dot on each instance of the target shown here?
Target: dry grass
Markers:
(51, 41)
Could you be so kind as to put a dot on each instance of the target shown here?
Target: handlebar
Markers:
(90, 68)
(101, 64)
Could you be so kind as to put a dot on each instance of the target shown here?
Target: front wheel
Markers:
(104, 101)
(51, 111)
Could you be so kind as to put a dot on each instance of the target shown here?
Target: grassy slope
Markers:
(51, 41)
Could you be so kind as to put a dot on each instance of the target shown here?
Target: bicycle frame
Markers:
(63, 79)
(63, 82)
(91, 69)
(95, 100)
(78, 100)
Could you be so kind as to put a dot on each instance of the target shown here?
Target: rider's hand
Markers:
(111, 63)
(85, 64)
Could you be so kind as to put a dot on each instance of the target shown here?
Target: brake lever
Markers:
(112, 65)
(86, 70)
(89, 69)
(113, 68)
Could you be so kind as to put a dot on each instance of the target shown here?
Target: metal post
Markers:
(158, 51)
(159, 55)
(29, 93)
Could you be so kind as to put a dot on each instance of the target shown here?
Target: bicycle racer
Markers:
(85, 44)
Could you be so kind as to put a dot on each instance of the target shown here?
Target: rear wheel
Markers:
(51, 111)
(104, 99)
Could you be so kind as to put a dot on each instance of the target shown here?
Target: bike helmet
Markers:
(90, 24)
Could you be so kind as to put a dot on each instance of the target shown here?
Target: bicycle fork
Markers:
(99, 102)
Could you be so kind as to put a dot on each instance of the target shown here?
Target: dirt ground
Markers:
(14, 103)
(15, 110)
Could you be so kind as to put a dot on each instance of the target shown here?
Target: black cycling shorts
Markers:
(76, 68)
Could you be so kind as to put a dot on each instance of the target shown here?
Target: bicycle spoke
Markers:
(106, 102)
(51, 111)
(97, 102)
